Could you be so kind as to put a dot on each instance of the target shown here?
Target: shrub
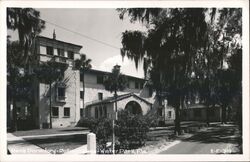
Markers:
(131, 130)
(103, 130)
(88, 122)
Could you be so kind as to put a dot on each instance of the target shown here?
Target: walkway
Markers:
(215, 140)
(46, 141)
(17, 145)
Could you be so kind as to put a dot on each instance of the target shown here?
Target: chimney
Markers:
(54, 34)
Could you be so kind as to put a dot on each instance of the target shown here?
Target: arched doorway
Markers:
(134, 108)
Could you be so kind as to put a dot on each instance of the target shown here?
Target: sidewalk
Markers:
(17, 145)
(218, 139)
(22, 142)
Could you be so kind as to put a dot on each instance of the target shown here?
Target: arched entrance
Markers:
(134, 108)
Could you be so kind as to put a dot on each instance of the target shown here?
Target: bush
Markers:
(103, 131)
(131, 130)
(87, 122)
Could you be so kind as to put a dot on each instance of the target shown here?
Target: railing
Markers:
(59, 59)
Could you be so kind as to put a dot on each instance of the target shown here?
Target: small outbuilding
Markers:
(106, 107)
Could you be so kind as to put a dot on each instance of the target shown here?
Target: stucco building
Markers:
(71, 99)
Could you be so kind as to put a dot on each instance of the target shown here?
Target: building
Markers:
(72, 100)
(65, 94)
(198, 112)
(99, 102)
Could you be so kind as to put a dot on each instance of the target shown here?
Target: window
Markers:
(49, 50)
(66, 112)
(99, 79)
(60, 52)
(100, 96)
(81, 94)
(71, 55)
(136, 85)
(169, 114)
(81, 112)
(61, 92)
(55, 111)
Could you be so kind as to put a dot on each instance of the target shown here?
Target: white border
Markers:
(121, 4)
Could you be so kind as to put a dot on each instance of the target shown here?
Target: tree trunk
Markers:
(50, 107)
(115, 105)
(113, 124)
(177, 115)
(207, 115)
(223, 115)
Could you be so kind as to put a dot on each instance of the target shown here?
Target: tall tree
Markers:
(172, 42)
(188, 48)
(48, 73)
(28, 24)
(83, 64)
(224, 40)
(13, 75)
(113, 83)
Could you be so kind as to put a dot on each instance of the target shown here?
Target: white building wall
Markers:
(92, 89)
(72, 94)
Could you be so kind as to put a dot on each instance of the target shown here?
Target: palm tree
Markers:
(49, 72)
(83, 64)
(113, 83)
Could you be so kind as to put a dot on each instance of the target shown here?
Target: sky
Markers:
(100, 24)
